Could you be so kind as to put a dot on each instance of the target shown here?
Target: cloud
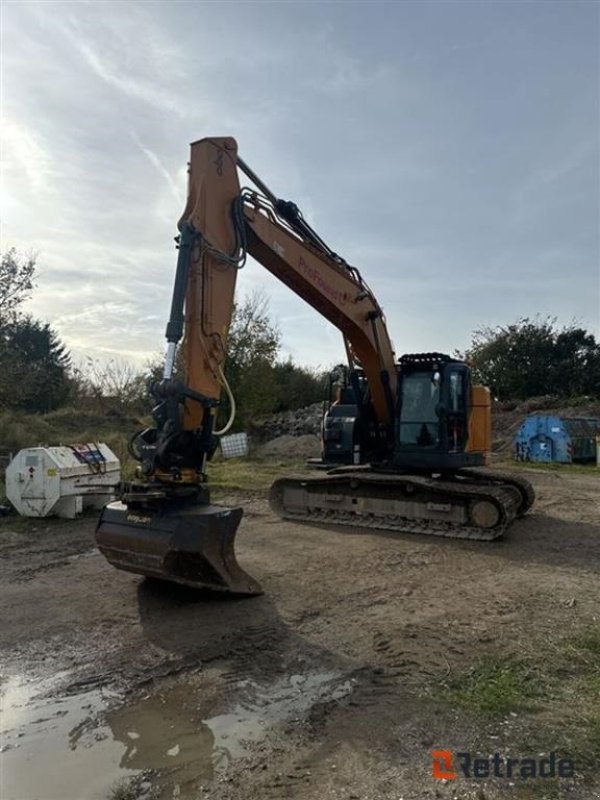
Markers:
(25, 154)
(132, 87)
(460, 183)
(176, 189)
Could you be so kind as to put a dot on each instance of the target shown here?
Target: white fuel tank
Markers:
(61, 481)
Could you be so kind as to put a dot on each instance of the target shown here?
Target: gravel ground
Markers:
(337, 683)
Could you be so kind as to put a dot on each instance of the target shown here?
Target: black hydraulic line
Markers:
(355, 383)
(187, 238)
(166, 389)
(293, 216)
(206, 434)
(289, 212)
(387, 391)
(256, 180)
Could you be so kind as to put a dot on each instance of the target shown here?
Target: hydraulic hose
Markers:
(227, 388)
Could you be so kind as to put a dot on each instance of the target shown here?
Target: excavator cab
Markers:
(437, 409)
(441, 421)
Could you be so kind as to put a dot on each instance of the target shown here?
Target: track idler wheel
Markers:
(485, 514)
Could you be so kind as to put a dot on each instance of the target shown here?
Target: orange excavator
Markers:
(413, 433)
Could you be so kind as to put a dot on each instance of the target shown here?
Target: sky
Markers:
(449, 150)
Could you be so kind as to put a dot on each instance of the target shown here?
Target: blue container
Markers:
(547, 438)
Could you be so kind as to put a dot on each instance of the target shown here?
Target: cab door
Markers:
(457, 407)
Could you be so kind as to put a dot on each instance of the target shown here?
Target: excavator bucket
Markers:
(188, 543)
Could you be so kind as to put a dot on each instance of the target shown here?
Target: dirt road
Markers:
(366, 652)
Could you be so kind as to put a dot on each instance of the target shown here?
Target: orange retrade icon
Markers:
(442, 766)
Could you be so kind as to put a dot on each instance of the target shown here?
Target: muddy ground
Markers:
(367, 651)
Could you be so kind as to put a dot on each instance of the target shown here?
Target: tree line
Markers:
(528, 358)
(37, 374)
(34, 364)
(535, 357)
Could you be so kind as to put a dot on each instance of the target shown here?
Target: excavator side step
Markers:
(190, 543)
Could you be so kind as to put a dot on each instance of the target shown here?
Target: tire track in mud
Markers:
(308, 762)
(403, 655)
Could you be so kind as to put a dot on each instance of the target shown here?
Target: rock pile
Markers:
(301, 422)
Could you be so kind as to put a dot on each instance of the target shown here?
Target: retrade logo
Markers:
(446, 766)
(442, 765)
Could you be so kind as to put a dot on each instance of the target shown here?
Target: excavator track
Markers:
(472, 504)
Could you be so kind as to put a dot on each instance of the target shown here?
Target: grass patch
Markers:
(580, 655)
(592, 740)
(495, 687)
(587, 641)
(560, 685)
(498, 685)
(65, 426)
(577, 738)
(582, 650)
(243, 473)
(572, 670)
(13, 523)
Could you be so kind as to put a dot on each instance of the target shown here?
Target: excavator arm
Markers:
(225, 223)
(164, 526)
(337, 292)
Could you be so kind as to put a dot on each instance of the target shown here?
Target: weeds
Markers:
(68, 426)
(562, 684)
(132, 789)
(122, 790)
(580, 655)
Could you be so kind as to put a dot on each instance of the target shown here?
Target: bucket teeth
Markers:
(189, 543)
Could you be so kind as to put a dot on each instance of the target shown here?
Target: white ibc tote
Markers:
(61, 481)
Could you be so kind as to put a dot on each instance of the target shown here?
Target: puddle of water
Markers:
(53, 747)
(164, 731)
(64, 748)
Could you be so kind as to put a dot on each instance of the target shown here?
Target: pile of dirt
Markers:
(290, 448)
